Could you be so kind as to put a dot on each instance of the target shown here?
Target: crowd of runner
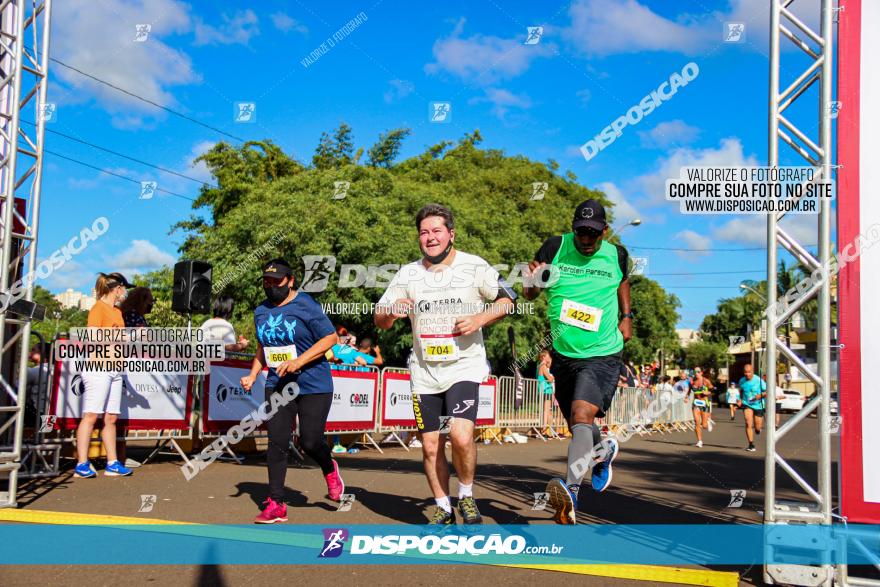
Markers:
(588, 308)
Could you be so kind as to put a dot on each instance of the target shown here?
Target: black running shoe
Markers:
(469, 512)
(442, 517)
(751, 447)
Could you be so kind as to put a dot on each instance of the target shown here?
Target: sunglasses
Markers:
(587, 231)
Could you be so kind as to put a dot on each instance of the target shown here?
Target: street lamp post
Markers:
(634, 222)
(750, 330)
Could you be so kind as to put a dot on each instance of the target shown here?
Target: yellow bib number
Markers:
(275, 355)
(439, 349)
(580, 315)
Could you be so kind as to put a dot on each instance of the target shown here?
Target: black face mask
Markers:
(278, 294)
(439, 258)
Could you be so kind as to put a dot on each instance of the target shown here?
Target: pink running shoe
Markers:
(273, 512)
(335, 484)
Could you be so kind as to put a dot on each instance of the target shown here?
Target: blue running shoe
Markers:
(561, 498)
(116, 469)
(84, 470)
(601, 477)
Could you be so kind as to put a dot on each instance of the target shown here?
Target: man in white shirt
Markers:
(449, 296)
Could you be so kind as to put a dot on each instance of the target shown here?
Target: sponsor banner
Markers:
(397, 408)
(354, 401)
(657, 544)
(858, 129)
(150, 401)
(225, 401)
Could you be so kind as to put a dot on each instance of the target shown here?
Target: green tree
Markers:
(654, 323)
(384, 152)
(710, 356)
(488, 191)
(58, 320)
(334, 151)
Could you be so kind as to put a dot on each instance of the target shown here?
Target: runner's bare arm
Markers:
(257, 365)
(531, 292)
(386, 314)
(623, 301)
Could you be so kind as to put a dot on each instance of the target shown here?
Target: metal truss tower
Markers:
(811, 143)
(24, 59)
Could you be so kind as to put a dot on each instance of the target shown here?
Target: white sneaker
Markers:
(131, 464)
(415, 443)
(700, 444)
(711, 424)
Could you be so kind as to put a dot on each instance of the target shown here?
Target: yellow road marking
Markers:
(660, 574)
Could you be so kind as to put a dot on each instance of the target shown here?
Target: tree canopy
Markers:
(263, 197)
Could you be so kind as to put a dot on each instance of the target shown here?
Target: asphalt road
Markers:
(662, 478)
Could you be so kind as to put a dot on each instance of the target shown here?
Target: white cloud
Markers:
(198, 170)
(70, 275)
(607, 27)
(100, 41)
(755, 14)
(484, 59)
(623, 210)
(752, 230)
(90, 183)
(140, 257)
(285, 24)
(236, 30)
(503, 101)
(691, 240)
(728, 154)
(584, 96)
(668, 134)
(398, 90)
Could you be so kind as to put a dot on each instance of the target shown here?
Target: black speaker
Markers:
(192, 288)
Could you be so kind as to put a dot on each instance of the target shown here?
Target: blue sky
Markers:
(595, 59)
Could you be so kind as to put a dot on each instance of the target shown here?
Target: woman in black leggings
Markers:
(293, 334)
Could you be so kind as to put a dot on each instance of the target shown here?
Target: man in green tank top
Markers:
(588, 305)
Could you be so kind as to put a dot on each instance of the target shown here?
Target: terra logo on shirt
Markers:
(271, 332)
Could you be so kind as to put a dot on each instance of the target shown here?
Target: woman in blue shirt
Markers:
(293, 335)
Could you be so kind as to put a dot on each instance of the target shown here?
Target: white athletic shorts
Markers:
(103, 393)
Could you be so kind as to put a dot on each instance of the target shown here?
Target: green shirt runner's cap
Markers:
(589, 214)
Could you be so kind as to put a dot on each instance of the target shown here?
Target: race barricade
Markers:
(155, 406)
(224, 403)
(396, 413)
(528, 414)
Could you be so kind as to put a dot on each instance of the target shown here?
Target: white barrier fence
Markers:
(365, 401)
(533, 414)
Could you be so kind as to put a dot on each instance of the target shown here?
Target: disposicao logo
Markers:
(334, 541)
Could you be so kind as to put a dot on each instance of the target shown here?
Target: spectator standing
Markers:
(103, 389)
(219, 327)
(135, 307)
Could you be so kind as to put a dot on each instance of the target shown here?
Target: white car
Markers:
(791, 401)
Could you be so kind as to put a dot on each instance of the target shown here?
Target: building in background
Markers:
(75, 299)
(687, 336)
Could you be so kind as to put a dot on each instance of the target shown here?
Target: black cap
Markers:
(116, 279)
(590, 214)
(277, 268)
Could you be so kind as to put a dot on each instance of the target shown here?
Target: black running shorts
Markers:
(459, 401)
(593, 380)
